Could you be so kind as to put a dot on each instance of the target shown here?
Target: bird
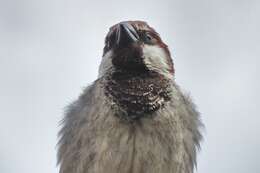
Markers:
(133, 118)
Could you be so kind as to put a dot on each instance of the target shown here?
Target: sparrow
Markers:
(134, 118)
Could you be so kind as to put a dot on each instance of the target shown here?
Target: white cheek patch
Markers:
(155, 59)
(106, 64)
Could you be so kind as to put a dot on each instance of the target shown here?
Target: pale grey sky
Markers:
(50, 50)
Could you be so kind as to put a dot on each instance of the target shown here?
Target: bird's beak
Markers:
(125, 34)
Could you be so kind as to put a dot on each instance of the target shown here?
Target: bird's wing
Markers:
(70, 134)
(192, 126)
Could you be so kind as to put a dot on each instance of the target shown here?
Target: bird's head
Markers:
(134, 46)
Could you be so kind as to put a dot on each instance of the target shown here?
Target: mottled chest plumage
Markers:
(138, 93)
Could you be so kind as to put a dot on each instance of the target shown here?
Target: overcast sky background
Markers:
(50, 50)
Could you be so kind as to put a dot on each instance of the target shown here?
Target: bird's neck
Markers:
(138, 93)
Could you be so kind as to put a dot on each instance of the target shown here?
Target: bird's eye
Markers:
(148, 38)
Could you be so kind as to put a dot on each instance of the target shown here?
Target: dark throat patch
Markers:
(138, 93)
